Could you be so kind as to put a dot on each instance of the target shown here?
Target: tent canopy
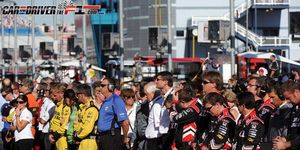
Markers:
(77, 64)
(262, 55)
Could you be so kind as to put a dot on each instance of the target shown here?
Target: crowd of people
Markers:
(160, 114)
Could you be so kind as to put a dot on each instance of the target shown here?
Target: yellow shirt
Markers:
(60, 118)
(87, 117)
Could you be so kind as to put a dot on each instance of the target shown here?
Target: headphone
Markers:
(279, 92)
(111, 87)
(262, 91)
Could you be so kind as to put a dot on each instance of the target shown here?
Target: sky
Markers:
(47, 19)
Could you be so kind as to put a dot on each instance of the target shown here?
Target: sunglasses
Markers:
(205, 82)
(128, 97)
(103, 85)
(21, 102)
(209, 108)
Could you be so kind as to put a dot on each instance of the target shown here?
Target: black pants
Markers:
(153, 144)
(110, 142)
(26, 144)
(44, 142)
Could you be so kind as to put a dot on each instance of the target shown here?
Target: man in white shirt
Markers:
(46, 113)
(157, 131)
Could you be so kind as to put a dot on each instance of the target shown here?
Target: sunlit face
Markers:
(129, 100)
(252, 87)
(276, 100)
(160, 82)
(207, 86)
(212, 109)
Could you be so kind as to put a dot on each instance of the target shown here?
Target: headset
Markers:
(41, 93)
(279, 91)
(111, 87)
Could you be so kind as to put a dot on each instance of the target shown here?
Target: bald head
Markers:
(6, 82)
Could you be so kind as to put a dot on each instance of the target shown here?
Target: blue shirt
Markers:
(2, 102)
(106, 114)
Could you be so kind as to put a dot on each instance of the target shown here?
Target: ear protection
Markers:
(279, 92)
(111, 87)
(263, 90)
(41, 93)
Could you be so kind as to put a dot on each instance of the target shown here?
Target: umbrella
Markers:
(262, 55)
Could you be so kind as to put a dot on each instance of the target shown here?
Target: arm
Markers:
(253, 135)
(88, 123)
(47, 115)
(65, 119)
(186, 116)
(125, 127)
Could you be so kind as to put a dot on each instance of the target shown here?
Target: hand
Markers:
(204, 147)
(62, 121)
(18, 111)
(172, 115)
(51, 139)
(280, 143)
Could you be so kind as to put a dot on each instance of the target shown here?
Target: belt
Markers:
(93, 137)
(101, 133)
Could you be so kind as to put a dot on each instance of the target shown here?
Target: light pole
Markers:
(2, 44)
(121, 24)
(232, 37)
(170, 68)
(33, 41)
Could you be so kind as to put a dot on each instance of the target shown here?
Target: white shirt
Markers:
(26, 132)
(47, 110)
(158, 121)
(131, 117)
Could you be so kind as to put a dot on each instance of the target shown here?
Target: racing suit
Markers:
(221, 129)
(86, 128)
(248, 132)
(59, 124)
(294, 128)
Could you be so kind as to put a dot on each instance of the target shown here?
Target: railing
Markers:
(239, 10)
(261, 40)
(271, 2)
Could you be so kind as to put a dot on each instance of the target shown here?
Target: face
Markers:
(23, 88)
(160, 82)
(184, 104)
(276, 100)
(289, 96)
(57, 95)
(79, 96)
(129, 101)
(104, 87)
(208, 86)
(8, 96)
(69, 102)
(149, 96)
(21, 103)
(212, 109)
(252, 87)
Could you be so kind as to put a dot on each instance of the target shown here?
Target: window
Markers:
(180, 33)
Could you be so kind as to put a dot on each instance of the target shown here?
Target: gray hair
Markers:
(150, 87)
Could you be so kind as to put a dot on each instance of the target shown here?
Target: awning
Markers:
(262, 55)
(75, 63)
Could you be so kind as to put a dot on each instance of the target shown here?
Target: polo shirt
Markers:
(106, 114)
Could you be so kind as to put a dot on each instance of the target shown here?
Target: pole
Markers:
(55, 37)
(15, 47)
(2, 44)
(232, 37)
(169, 37)
(33, 41)
(121, 24)
(247, 25)
(84, 39)
(193, 45)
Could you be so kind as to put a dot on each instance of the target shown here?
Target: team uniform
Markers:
(185, 133)
(294, 128)
(86, 128)
(248, 132)
(221, 131)
(59, 124)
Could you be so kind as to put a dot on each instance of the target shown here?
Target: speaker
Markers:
(24, 52)
(46, 29)
(71, 44)
(153, 38)
(218, 30)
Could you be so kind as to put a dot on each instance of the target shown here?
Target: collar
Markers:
(284, 103)
(170, 91)
(250, 115)
(60, 102)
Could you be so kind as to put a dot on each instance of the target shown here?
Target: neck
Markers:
(128, 107)
(107, 95)
(165, 89)
(246, 111)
